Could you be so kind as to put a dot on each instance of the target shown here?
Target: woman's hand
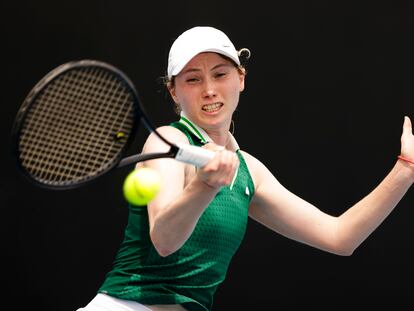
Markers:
(407, 140)
(220, 170)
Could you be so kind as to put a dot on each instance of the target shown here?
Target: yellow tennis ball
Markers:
(141, 186)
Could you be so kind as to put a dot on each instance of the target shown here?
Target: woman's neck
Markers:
(220, 137)
(219, 134)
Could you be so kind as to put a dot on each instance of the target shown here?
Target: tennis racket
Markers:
(78, 121)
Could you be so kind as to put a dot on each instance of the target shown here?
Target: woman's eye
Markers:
(192, 80)
(220, 74)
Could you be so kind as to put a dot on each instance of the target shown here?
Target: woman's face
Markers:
(208, 89)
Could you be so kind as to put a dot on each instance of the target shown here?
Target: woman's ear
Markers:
(242, 78)
(171, 90)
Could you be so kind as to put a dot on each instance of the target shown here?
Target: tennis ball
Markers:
(141, 186)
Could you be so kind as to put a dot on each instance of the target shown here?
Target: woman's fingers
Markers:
(221, 169)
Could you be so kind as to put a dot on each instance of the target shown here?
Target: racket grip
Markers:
(194, 155)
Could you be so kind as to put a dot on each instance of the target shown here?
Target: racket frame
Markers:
(185, 153)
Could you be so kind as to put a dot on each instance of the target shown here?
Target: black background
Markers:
(327, 87)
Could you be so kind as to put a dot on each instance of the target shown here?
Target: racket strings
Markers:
(70, 132)
(97, 125)
(119, 120)
(58, 126)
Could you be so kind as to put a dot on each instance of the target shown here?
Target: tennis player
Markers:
(176, 252)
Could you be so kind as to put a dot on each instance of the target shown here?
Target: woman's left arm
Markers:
(284, 212)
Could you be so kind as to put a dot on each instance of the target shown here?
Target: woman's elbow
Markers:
(343, 249)
(162, 247)
(344, 252)
(163, 252)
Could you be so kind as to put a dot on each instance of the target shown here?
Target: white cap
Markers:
(197, 40)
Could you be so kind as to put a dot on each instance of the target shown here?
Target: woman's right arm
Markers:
(184, 193)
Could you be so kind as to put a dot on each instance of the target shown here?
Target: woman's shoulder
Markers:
(170, 133)
(154, 144)
(257, 169)
(251, 161)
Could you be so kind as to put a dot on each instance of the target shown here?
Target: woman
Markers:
(176, 252)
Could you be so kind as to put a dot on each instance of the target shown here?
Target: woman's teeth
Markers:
(212, 107)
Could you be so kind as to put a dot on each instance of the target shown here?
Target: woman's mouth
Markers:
(212, 107)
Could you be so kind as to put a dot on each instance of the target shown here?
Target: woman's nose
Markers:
(209, 90)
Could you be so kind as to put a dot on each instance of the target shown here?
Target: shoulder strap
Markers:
(193, 139)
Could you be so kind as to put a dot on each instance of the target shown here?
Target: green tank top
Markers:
(191, 275)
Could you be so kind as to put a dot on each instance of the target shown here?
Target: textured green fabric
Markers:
(189, 276)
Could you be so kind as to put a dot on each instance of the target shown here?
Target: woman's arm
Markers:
(282, 211)
(184, 193)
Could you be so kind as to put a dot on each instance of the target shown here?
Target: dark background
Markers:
(328, 85)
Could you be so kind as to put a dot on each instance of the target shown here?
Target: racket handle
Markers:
(194, 155)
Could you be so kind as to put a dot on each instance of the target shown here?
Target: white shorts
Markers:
(103, 302)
